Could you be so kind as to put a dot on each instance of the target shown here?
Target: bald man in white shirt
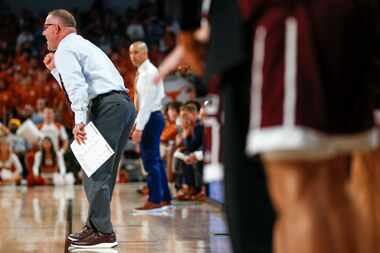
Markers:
(148, 127)
(96, 92)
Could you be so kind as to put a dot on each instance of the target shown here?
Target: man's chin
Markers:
(51, 49)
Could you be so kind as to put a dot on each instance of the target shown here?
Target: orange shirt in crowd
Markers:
(169, 132)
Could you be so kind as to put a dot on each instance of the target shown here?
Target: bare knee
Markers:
(306, 183)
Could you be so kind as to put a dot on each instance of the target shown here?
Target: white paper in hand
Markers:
(94, 152)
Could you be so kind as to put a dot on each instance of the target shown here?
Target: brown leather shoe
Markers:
(183, 197)
(201, 197)
(143, 191)
(86, 231)
(96, 240)
(149, 206)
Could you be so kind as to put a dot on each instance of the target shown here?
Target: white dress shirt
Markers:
(86, 72)
(149, 94)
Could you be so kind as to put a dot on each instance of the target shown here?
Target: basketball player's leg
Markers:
(312, 204)
(365, 192)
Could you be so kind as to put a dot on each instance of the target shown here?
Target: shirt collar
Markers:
(143, 66)
(67, 37)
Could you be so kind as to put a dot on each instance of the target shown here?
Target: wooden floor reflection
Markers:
(37, 219)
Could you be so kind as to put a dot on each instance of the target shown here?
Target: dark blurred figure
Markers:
(249, 211)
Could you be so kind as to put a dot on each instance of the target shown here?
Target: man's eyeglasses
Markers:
(46, 26)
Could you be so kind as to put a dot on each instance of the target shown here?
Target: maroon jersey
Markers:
(311, 74)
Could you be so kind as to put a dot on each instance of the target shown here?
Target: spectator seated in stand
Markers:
(19, 145)
(49, 167)
(10, 166)
(188, 158)
(56, 131)
(168, 135)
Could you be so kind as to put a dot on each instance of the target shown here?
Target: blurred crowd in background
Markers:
(30, 95)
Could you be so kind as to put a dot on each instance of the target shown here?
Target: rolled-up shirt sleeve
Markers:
(68, 66)
(147, 95)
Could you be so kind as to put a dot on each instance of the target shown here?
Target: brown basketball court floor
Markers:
(37, 220)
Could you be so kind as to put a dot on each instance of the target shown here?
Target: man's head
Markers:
(28, 111)
(190, 112)
(194, 103)
(48, 115)
(13, 125)
(138, 52)
(57, 25)
(40, 104)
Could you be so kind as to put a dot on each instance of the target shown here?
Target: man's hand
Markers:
(191, 159)
(49, 61)
(136, 136)
(187, 52)
(79, 133)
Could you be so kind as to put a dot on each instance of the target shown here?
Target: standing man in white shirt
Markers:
(148, 127)
(94, 87)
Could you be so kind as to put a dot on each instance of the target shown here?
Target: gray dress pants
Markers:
(113, 115)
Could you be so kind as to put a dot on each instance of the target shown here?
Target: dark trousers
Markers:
(179, 173)
(191, 175)
(184, 174)
(114, 116)
(198, 177)
(249, 212)
(150, 155)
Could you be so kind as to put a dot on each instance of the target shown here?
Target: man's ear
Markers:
(57, 29)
